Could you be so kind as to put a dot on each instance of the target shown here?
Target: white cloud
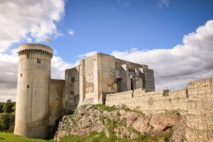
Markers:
(181, 64)
(9, 71)
(28, 20)
(163, 3)
(8, 76)
(58, 67)
(71, 32)
(87, 54)
(25, 21)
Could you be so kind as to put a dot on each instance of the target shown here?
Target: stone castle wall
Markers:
(195, 101)
(101, 74)
(71, 91)
(41, 100)
(151, 102)
(200, 111)
(56, 90)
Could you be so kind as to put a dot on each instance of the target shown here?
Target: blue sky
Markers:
(173, 37)
(108, 25)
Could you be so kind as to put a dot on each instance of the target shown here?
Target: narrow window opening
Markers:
(73, 79)
(27, 55)
(28, 86)
(21, 75)
(72, 92)
(39, 61)
(131, 80)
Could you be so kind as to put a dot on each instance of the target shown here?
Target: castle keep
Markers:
(101, 74)
(102, 79)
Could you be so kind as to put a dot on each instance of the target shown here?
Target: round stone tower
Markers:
(32, 98)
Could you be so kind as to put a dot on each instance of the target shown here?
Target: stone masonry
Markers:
(195, 101)
(102, 79)
(41, 101)
(101, 74)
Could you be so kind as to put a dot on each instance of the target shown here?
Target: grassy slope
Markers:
(101, 137)
(93, 137)
(9, 137)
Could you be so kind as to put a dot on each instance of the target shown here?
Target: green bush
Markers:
(1, 107)
(104, 107)
(2, 125)
(12, 122)
(7, 121)
(8, 106)
(5, 118)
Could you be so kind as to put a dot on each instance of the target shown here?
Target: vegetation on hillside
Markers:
(100, 123)
(101, 137)
(7, 116)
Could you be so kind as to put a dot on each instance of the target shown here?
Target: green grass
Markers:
(9, 137)
(104, 107)
(72, 118)
(94, 137)
(101, 137)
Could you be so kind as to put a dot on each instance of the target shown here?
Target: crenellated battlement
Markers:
(35, 51)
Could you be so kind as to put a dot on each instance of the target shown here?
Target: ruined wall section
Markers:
(151, 102)
(125, 68)
(71, 91)
(101, 74)
(107, 79)
(107, 73)
(149, 80)
(56, 91)
(89, 79)
(200, 111)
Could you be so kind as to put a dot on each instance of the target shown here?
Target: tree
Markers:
(12, 121)
(1, 107)
(5, 120)
(8, 106)
(2, 125)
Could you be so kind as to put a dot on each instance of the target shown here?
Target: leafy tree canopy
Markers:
(8, 106)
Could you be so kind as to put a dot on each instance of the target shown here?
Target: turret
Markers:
(32, 98)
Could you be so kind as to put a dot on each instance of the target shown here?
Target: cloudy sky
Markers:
(173, 37)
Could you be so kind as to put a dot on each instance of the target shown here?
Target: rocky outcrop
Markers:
(179, 130)
(121, 121)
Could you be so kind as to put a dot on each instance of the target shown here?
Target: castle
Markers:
(102, 79)
(41, 100)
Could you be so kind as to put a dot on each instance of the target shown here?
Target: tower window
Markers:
(21, 74)
(27, 55)
(28, 86)
(39, 61)
(72, 92)
(131, 81)
(72, 79)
